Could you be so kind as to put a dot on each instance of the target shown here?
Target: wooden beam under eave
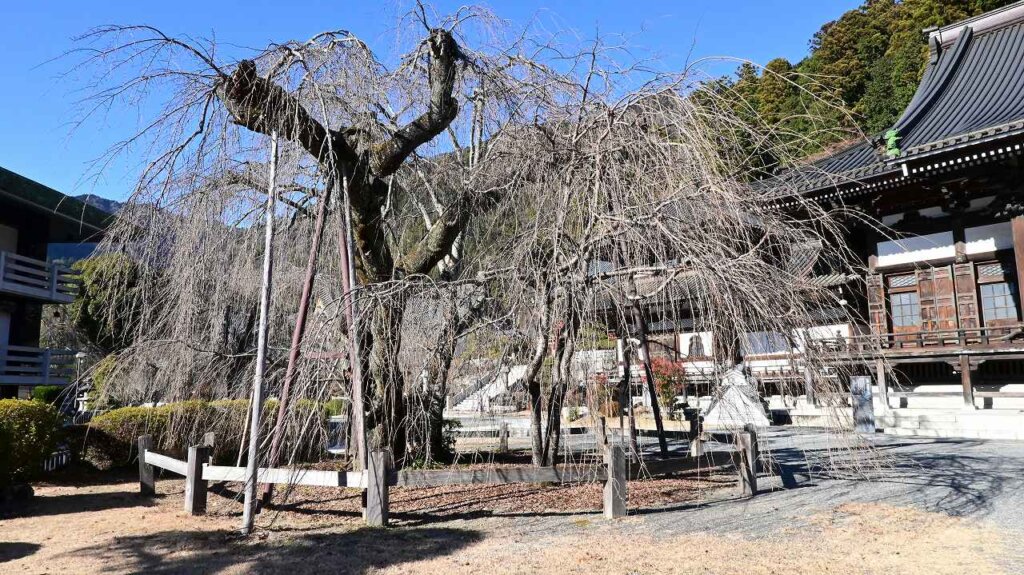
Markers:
(1017, 225)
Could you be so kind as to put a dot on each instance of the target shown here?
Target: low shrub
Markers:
(110, 439)
(29, 431)
(47, 393)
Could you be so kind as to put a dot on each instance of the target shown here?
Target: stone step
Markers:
(957, 433)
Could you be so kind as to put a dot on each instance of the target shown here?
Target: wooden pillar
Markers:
(195, 485)
(147, 476)
(745, 453)
(965, 381)
(615, 483)
(376, 512)
(503, 437)
(883, 384)
(812, 398)
(1017, 225)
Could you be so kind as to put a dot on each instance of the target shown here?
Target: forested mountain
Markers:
(869, 62)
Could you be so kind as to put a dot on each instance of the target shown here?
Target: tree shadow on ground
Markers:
(951, 476)
(78, 503)
(16, 550)
(285, 551)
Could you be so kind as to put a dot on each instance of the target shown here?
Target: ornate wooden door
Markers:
(967, 299)
(938, 304)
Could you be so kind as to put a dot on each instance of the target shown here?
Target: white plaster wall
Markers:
(984, 239)
(916, 249)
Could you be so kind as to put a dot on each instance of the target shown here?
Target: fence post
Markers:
(376, 512)
(195, 485)
(755, 448)
(147, 477)
(615, 483)
(503, 437)
(745, 464)
(696, 429)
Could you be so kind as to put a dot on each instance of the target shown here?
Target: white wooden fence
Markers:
(380, 476)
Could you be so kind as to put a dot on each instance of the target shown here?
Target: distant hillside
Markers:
(69, 253)
(869, 61)
(109, 206)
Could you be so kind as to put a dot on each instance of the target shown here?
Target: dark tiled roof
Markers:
(971, 92)
(39, 197)
(665, 289)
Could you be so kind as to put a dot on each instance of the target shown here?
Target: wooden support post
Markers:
(883, 385)
(812, 398)
(147, 476)
(755, 450)
(696, 430)
(615, 484)
(195, 485)
(1017, 230)
(503, 437)
(965, 381)
(745, 463)
(376, 512)
(602, 430)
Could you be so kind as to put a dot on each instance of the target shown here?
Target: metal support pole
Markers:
(249, 511)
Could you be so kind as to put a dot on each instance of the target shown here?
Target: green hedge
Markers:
(29, 431)
(47, 393)
(109, 439)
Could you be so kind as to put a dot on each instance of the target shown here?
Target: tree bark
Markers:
(645, 351)
(353, 156)
(533, 383)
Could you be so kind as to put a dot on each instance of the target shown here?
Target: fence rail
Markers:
(37, 279)
(379, 476)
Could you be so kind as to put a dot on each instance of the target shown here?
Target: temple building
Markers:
(32, 218)
(941, 296)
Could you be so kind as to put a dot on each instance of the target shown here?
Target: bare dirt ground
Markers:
(931, 517)
(108, 528)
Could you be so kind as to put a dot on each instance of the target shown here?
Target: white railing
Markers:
(38, 279)
(34, 366)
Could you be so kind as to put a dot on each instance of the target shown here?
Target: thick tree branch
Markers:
(262, 106)
(444, 57)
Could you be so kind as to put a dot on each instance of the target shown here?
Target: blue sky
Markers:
(37, 101)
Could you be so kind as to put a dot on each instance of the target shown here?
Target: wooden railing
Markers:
(34, 366)
(893, 343)
(37, 279)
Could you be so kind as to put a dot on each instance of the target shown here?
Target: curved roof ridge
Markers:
(991, 20)
(933, 85)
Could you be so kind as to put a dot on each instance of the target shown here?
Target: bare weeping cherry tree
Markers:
(640, 207)
(518, 186)
(360, 141)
